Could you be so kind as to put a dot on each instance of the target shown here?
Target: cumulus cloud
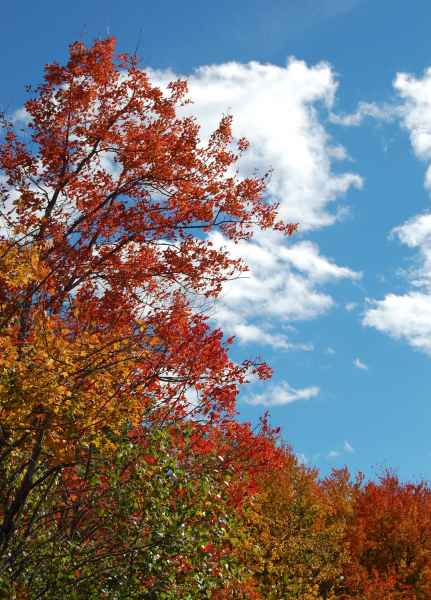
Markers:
(305, 257)
(281, 394)
(408, 316)
(415, 95)
(277, 109)
(282, 285)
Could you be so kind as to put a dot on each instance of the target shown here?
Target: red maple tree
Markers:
(107, 196)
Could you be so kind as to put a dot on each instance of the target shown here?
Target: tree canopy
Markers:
(124, 470)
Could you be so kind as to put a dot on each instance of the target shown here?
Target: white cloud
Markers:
(283, 284)
(250, 333)
(408, 316)
(412, 110)
(277, 109)
(305, 257)
(349, 306)
(416, 231)
(348, 447)
(415, 94)
(281, 394)
(330, 351)
(359, 364)
(380, 112)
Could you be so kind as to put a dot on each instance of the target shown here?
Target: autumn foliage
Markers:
(124, 472)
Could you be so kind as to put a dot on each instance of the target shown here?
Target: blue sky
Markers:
(343, 311)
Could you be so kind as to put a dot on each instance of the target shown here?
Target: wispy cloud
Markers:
(281, 394)
(380, 112)
(350, 306)
(348, 447)
(359, 364)
(336, 453)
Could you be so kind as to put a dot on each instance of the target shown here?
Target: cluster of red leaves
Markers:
(389, 541)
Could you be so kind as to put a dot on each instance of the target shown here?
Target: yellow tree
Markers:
(295, 537)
